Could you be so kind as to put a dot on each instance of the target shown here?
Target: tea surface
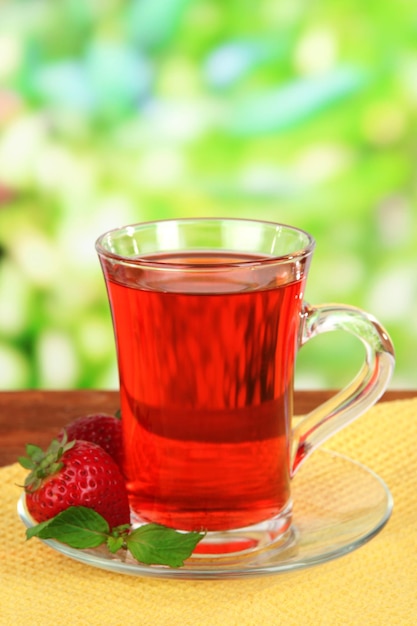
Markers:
(206, 369)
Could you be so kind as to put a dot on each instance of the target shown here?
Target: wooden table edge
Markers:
(36, 416)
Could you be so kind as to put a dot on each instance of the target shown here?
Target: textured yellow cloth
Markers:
(374, 585)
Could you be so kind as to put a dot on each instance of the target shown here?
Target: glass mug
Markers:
(208, 317)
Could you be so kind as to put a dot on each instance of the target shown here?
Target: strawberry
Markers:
(100, 428)
(75, 473)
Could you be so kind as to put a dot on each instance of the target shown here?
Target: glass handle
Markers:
(358, 396)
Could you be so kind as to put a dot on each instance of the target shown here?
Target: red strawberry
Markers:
(75, 473)
(100, 428)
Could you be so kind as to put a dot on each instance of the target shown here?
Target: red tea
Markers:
(206, 370)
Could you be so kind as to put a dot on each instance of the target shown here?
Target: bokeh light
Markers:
(132, 110)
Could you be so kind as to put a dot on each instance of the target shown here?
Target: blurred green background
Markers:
(120, 111)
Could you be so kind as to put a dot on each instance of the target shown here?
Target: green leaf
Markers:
(115, 543)
(36, 531)
(77, 526)
(155, 544)
(81, 527)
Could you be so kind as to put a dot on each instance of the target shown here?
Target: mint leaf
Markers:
(77, 526)
(81, 527)
(156, 544)
(35, 531)
(115, 543)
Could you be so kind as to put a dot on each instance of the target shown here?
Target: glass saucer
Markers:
(339, 504)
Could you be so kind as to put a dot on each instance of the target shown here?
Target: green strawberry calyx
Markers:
(43, 464)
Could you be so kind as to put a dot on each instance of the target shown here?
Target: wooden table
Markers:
(37, 416)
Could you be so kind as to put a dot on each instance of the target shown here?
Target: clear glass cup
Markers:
(208, 316)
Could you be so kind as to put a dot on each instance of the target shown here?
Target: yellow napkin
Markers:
(374, 585)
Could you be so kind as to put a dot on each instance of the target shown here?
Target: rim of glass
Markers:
(149, 262)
